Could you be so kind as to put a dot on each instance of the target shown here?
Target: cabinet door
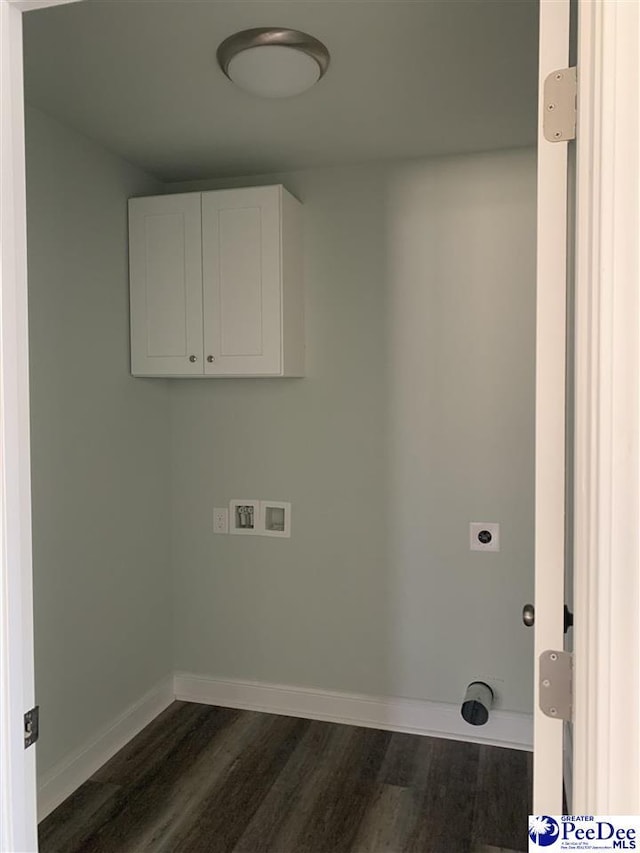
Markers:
(165, 257)
(241, 282)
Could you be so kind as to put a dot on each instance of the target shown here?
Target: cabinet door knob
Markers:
(210, 358)
(193, 358)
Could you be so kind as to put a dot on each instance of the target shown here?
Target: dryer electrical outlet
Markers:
(484, 536)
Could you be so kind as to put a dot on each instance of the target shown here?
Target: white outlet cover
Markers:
(484, 536)
(220, 519)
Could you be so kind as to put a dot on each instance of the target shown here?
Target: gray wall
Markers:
(416, 417)
(100, 442)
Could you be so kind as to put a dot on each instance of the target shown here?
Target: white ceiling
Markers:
(408, 78)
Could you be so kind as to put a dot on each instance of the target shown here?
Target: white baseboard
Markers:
(63, 779)
(504, 728)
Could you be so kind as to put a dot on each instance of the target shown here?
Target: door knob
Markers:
(210, 359)
(193, 358)
(528, 615)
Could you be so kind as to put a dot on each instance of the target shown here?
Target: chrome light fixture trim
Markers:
(266, 36)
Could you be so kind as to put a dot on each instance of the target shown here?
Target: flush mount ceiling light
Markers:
(273, 62)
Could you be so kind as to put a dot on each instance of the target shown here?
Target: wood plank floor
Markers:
(224, 781)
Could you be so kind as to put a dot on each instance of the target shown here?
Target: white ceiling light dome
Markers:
(273, 62)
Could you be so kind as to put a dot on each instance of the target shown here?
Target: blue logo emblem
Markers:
(543, 830)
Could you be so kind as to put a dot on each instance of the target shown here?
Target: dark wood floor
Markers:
(213, 779)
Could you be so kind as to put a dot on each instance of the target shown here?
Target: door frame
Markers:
(606, 731)
(18, 766)
(607, 454)
(18, 820)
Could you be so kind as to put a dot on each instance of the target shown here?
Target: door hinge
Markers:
(556, 685)
(31, 726)
(560, 105)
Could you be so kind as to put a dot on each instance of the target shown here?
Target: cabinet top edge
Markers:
(280, 187)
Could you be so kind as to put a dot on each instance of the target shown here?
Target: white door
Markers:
(165, 258)
(241, 236)
(551, 361)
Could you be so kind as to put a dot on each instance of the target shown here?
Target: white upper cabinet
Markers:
(241, 275)
(165, 256)
(216, 284)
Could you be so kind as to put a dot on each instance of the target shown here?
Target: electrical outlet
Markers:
(220, 519)
(484, 536)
